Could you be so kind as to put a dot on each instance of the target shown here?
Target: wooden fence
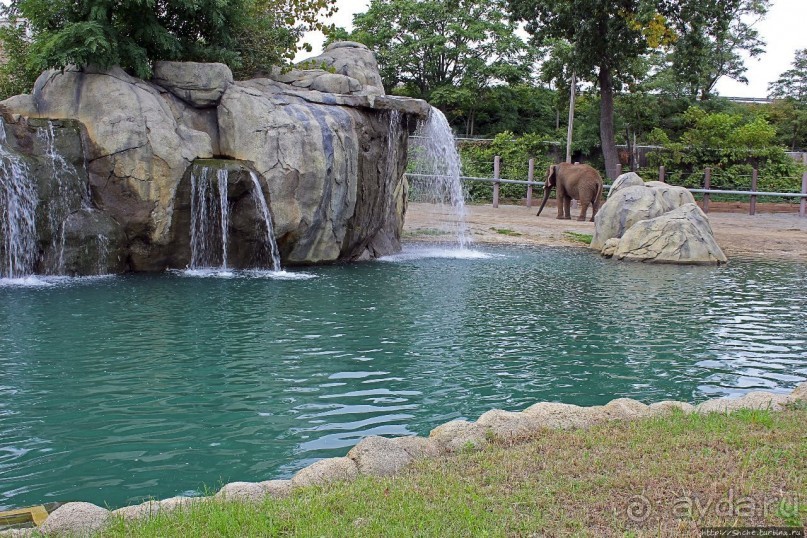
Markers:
(706, 191)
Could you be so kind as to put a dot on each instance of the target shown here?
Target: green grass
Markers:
(507, 231)
(580, 238)
(424, 231)
(689, 468)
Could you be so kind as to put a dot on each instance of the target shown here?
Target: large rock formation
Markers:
(329, 149)
(654, 222)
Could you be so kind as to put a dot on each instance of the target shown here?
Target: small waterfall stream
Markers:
(18, 201)
(437, 167)
(263, 208)
(210, 219)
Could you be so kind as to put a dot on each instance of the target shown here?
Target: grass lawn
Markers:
(654, 477)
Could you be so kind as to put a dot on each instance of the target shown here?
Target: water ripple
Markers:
(116, 389)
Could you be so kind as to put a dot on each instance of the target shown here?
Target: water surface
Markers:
(119, 388)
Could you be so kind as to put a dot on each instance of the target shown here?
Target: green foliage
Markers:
(791, 109)
(604, 46)
(447, 52)
(271, 30)
(515, 153)
(732, 145)
(248, 35)
(130, 34)
(712, 35)
(16, 76)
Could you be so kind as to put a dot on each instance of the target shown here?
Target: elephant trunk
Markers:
(543, 203)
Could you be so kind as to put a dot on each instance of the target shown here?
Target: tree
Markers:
(272, 30)
(607, 37)
(16, 75)
(445, 51)
(134, 34)
(711, 36)
(791, 89)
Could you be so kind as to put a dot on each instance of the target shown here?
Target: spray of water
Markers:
(436, 173)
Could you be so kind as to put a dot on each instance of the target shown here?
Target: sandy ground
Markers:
(764, 235)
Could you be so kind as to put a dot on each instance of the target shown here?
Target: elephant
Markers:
(573, 181)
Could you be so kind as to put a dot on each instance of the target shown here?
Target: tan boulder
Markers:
(667, 407)
(508, 424)
(459, 435)
(326, 471)
(379, 456)
(75, 519)
(752, 400)
(562, 416)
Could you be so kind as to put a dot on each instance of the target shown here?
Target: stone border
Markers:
(383, 456)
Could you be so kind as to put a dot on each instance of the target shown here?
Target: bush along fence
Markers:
(419, 184)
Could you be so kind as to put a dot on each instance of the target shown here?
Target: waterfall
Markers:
(437, 169)
(263, 208)
(59, 204)
(18, 201)
(209, 218)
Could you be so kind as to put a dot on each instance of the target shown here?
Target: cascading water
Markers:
(437, 170)
(263, 208)
(59, 205)
(18, 201)
(209, 219)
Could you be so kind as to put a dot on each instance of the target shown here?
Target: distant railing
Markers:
(707, 191)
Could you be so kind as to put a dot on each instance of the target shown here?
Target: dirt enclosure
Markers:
(773, 233)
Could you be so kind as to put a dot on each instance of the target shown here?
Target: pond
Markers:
(115, 389)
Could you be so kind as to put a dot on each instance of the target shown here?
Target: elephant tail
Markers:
(598, 196)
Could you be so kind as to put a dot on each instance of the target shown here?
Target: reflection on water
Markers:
(118, 388)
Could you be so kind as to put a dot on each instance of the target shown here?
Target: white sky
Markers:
(783, 30)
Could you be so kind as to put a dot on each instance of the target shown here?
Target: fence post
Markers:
(530, 176)
(618, 169)
(707, 184)
(496, 161)
(754, 176)
(661, 173)
(803, 203)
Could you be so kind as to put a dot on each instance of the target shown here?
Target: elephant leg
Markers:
(594, 207)
(583, 210)
(567, 207)
(560, 197)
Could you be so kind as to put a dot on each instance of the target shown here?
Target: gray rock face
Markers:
(75, 519)
(628, 205)
(353, 60)
(73, 238)
(654, 222)
(630, 179)
(198, 84)
(682, 236)
(330, 154)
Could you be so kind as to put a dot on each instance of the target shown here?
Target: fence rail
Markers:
(707, 191)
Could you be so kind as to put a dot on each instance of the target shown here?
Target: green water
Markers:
(120, 388)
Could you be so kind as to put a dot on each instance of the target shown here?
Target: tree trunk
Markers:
(607, 139)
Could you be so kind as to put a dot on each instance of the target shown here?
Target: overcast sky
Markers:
(784, 30)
